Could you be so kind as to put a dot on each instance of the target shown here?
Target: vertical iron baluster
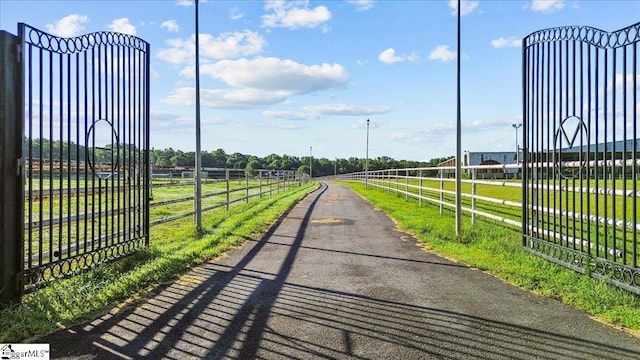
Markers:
(116, 125)
(555, 158)
(539, 121)
(597, 152)
(563, 116)
(77, 156)
(60, 155)
(130, 215)
(92, 157)
(634, 169)
(68, 148)
(589, 87)
(86, 149)
(110, 215)
(605, 152)
(582, 150)
(147, 143)
(29, 155)
(548, 170)
(573, 113)
(138, 161)
(624, 155)
(525, 163)
(51, 231)
(40, 155)
(613, 154)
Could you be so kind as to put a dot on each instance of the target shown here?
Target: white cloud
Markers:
(294, 14)
(287, 115)
(510, 42)
(362, 124)
(345, 110)
(468, 6)
(187, 2)
(68, 26)
(389, 57)
(225, 46)
(236, 14)
(226, 98)
(171, 25)
(154, 74)
(362, 5)
(547, 6)
(273, 74)
(442, 53)
(260, 82)
(122, 26)
(316, 111)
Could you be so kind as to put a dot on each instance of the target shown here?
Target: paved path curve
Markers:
(335, 280)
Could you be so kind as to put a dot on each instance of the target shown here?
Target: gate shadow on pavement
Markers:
(219, 311)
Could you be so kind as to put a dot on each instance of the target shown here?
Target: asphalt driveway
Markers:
(334, 279)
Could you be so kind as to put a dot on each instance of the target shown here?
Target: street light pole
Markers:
(516, 127)
(458, 144)
(366, 163)
(198, 164)
(310, 162)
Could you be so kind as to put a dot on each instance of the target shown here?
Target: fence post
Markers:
(246, 178)
(397, 183)
(441, 193)
(420, 188)
(260, 184)
(11, 174)
(227, 179)
(473, 196)
(406, 184)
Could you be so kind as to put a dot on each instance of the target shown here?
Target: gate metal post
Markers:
(11, 175)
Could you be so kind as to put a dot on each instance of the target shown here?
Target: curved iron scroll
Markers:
(590, 35)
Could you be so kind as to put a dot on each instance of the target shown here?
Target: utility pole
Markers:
(517, 126)
(310, 162)
(458, 143)
(366, 163)
(197, 174)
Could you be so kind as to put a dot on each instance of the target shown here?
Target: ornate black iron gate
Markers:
(582, 150)
(85, 151)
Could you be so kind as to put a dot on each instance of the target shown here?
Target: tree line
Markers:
(321, 166)
(58, 150)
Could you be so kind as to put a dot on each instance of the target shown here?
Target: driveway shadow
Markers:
(230, 312)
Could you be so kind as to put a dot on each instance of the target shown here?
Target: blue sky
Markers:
(279, 77)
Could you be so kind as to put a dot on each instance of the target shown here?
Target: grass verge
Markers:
(497, 250)
(174, 248)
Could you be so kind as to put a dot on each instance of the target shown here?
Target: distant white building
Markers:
(492, 158)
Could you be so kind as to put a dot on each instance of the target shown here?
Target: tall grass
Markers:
(497, 250)
(174, 248)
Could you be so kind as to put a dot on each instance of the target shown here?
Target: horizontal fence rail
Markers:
(501, 201)
(168, 204)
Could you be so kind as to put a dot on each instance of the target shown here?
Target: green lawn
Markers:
(174, 248)
(497, 250)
